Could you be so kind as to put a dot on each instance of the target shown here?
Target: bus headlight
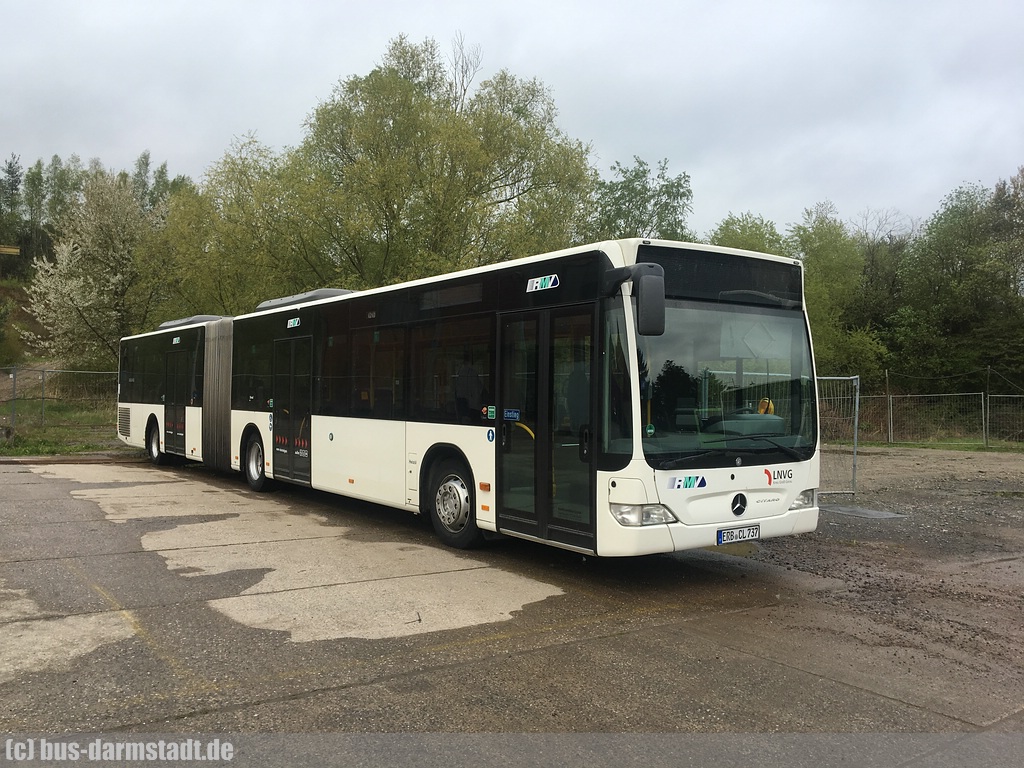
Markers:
(642, 514)
(806, 499)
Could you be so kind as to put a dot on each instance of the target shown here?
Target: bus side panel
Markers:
(194, 433)
(475, 443)
(362, 458)
(139, 415)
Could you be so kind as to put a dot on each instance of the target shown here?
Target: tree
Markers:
(961, 285)
(63, 183)
(883, 239)
(228, 244)
(94, 290)
(11, 218)
(10, 190)
(48, 192)
(1007, 206)
(750, 232)
(636, 204)
(406, 172)
(8, 345)
(833, 269)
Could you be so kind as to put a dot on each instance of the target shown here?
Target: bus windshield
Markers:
(727, 384)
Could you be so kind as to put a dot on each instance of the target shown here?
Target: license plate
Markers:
(732, 535)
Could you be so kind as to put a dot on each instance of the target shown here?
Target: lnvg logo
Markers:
(779, 476)
(541, 283)
(687, 481)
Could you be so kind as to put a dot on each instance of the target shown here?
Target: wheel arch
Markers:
(248, 431)
(152, 422)
(154, 427)
(436, 454)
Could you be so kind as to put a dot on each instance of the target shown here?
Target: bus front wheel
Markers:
(451, 502)
(255, 473)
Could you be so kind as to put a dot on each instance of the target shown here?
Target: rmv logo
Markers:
(541, 283)
(778, 474)
(689, 481)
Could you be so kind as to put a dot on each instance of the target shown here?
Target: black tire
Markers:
(253, 463)
(452, 505)
(153, 445)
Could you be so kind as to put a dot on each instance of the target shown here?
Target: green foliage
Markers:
(228, 245)
(834, 266)
(637, 204)
(9, 350)
(409, 173)
(961, 287)
(12, 226)
(751, 233)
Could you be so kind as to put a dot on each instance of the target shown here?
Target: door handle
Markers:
(585, 443)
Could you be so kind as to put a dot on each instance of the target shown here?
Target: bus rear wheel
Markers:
(253, 464)
(452, 505)
(153, 445)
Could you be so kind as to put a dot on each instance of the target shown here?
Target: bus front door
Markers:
(175, 399)
(545, 477)
(293, 363)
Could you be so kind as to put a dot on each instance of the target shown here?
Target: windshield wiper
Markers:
(682, 461)
(793, 453)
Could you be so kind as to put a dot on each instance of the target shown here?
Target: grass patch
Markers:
(54, 441)
(58, 428)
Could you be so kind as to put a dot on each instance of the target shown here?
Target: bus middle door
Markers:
(545, 472)
(175, 399)
(293, 378)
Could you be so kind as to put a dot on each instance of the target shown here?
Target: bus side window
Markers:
(451, 370)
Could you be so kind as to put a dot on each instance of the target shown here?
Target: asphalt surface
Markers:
(171, 603)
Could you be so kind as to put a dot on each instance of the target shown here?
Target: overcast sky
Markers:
(770, 107)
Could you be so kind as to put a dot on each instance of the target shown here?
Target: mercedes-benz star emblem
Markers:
(739, 504)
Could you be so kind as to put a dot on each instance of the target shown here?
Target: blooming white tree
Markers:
(98, 287)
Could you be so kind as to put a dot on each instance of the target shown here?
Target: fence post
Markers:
(888, 404)
(856, 428)
(14, 397)
(984, 418)
(42, 401)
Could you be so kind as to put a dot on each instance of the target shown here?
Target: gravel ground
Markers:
(944, 572)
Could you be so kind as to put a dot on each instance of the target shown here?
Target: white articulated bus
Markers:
(622, 398)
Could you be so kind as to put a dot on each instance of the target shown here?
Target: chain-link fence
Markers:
(1006, 419)
(839, 408)
(37, 398)
(954, 419)
(849, 419)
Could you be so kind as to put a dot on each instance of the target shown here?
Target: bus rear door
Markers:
(293, 379)
(176, 397)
